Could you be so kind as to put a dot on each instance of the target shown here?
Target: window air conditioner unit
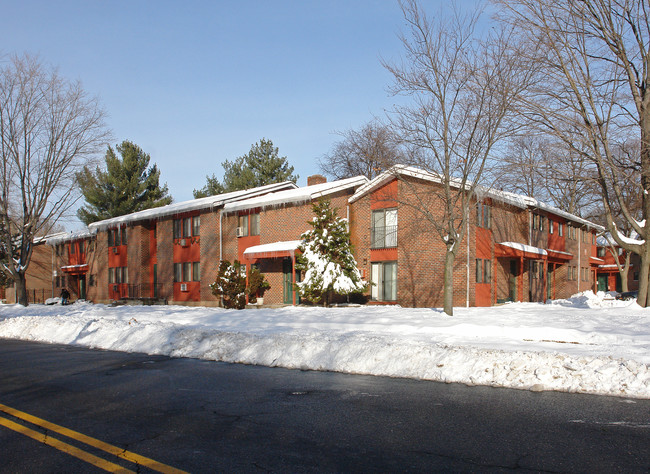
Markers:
(116, 250)
(239, 231)
(184, 243)
(183, 286)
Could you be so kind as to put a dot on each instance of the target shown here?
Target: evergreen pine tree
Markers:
(260, 166)
(326, 260)
(212, 188)
(126, 186)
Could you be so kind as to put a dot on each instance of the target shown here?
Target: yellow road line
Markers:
(66, 448)
(114, 450)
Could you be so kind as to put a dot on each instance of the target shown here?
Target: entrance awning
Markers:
(75, 269)
(275, 250)
(558, 256)
(515, 249)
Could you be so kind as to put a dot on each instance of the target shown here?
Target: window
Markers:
(111, 275)
(550, 226)
(196, 225)
(600, 252)
(124, 236)
(560, 229)
(72, 248)
(57, 281)
(384, 229)
(111, 238)
(243, 225)
(81, 247)
(535, 219)
(483, 215)
(196, 271)
(187, 271)
(255, 224)
(483, 271)
(178, 275)
(533, 269)
(187, 227)
(541, 271)
(125, 275)
(384, 279)
(636, 276)
(177, 229)
(92, 280)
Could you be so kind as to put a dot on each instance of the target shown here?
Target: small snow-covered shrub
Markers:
(230, 285)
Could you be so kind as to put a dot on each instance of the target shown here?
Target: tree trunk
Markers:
(21, 289)
(625, 271)
(448, 290)
(644, 261)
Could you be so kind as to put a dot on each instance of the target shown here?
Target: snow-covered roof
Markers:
(61, 237)
(285, 246)
(296, 196)
(517, 200)
(524, 248)
(192, 205)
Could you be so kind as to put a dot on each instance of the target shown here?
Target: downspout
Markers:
(468, 272)
(579, 258)
(220, 235)
(52, 276)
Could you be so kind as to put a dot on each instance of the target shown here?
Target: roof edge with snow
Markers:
(517, 200)
(302, 195)
(192, 205)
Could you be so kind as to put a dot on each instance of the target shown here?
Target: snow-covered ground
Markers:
(587, 344)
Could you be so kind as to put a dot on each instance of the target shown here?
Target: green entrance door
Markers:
(602, 282)
(287, 267)
(512, 281)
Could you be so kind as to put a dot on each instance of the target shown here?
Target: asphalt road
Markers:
(202, 416)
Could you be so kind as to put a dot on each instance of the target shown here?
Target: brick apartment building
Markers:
(516, 248)
(608, 277)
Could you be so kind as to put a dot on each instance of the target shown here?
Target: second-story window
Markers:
(483, 215)
(255, 224)
(551, 224)
(123, 236)
(81, 247)
(187, 227)
(196, 225)
(243, 226)
(72, 248)
(384, 229)
(600, 252)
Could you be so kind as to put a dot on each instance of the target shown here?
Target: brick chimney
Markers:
(316, 179)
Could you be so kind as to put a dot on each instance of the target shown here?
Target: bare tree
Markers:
(523, 168)
(49, 127)
(593, 93)
(368, 151)
(462, 88)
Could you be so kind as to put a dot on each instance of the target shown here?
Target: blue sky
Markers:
(195, 83)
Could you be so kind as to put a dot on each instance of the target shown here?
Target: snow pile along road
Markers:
(589, 343)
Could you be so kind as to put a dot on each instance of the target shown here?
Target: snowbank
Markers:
(588, 343)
